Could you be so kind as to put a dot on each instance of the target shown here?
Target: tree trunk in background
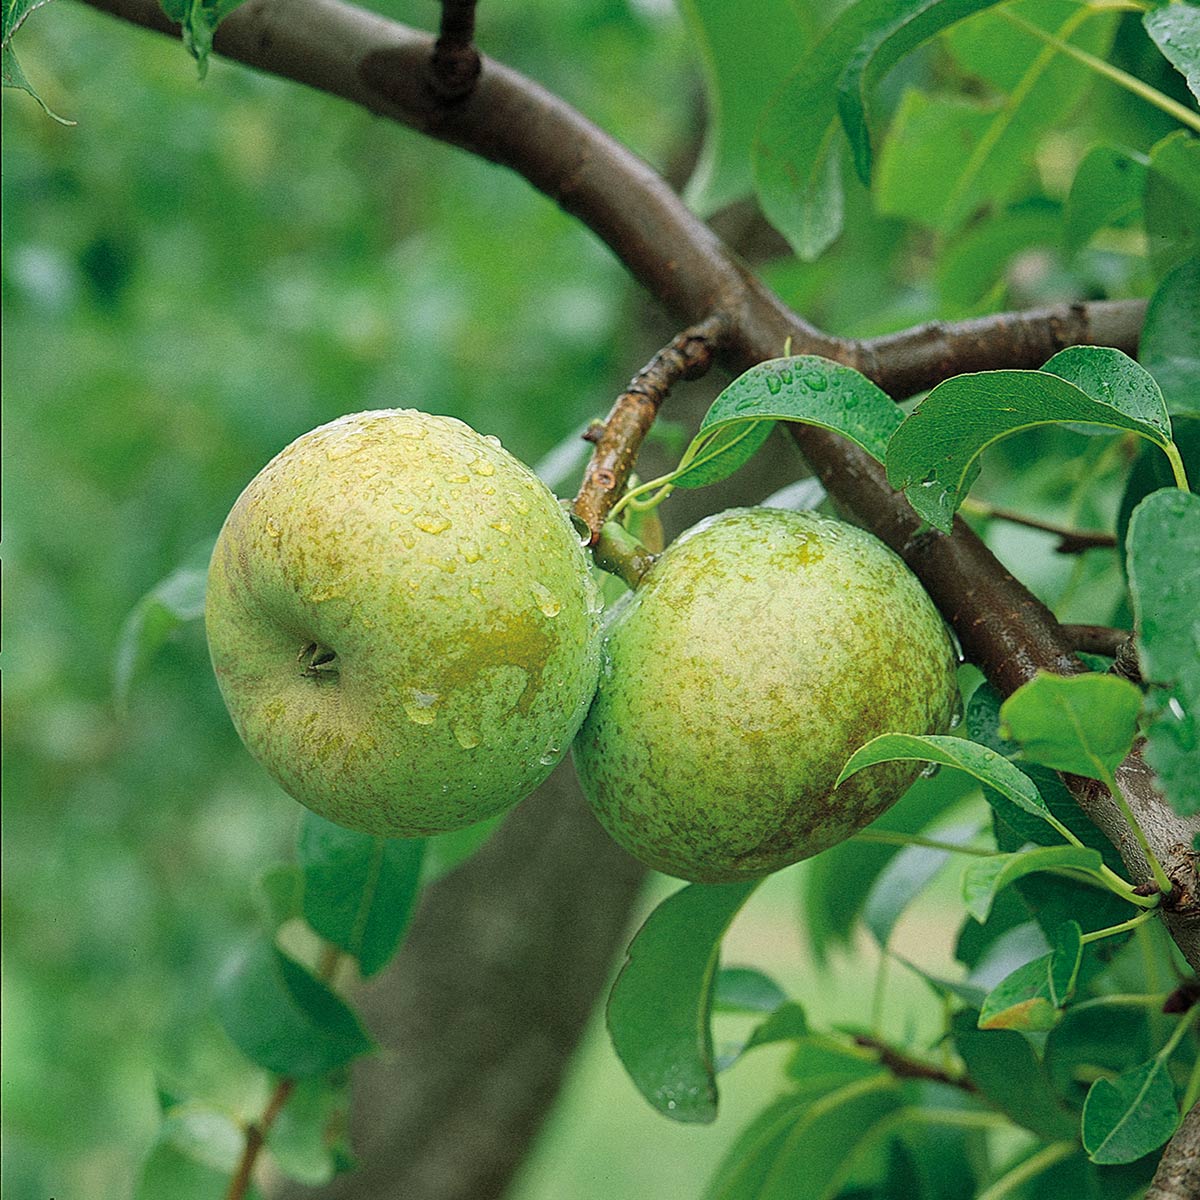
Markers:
(479, 1014)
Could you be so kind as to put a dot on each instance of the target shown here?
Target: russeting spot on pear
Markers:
(755, 657)
(402, 623)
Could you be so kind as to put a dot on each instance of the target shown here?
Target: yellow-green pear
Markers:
(402, 623)
(759, 652)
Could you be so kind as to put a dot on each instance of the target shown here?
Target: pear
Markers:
(402, 623)
(756, 655)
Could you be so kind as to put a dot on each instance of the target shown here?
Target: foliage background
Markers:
(192, 277)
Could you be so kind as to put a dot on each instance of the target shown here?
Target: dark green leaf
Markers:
(1175, 29)
(1126, 1117)
(1107, 190)
(194, 1155)
(283, 1018)
(1032, 997)
(745, 990)
(1004, 1067)
(1163, 549)
(1172, 201)
(309, 1138)
(659, 1008)
(802, 1149)
(359, 890)
(1111, 377)
(1108, 1034)
(911, 24)
(1084, 724)
(171, 604)
(744, 61)
(903, 879)
(978, 761)
(984, 877)
(1170, 343)
(785, 1024)
(805, 389)
(934, 455)
(198, 21)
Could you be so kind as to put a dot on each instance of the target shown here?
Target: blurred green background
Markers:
(193, 276)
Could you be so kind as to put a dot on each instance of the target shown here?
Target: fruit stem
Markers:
(619, 553)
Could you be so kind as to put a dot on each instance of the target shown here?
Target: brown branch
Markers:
(455, 63)
(1178, 1174)
(1097, 639)
(617, 442)
(256, 1137)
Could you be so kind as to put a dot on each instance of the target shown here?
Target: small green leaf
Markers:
(1170, 343)
(910, 26)
(198, 21)
(1033, 996)
(309, 1139)
(659, 1008)
(1175, 29)
(978, 761)
(806, 389)
(158, 616)
(745, 990)
(934, 455)
(196, 1151)
(284, 1019)
(985, 877)
(743, 63)
(446, 851)
(280, 894)
(359, 890)
(1102, 1035)
(1126, 1117)
(1106, 191)
(787, 1023)
(1163, 549)
(1172, 200)
(1003, 1065)
(1084, 724)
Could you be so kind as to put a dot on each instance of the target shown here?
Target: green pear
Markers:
(759, 652)
(402, 623)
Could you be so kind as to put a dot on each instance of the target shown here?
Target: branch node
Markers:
(455, 64)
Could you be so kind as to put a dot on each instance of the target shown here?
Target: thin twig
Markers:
(1070, 541)
(905, 1067)
(688, 356)
(455, 64)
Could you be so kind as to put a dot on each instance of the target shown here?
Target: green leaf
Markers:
(934, 455)
(198, 21)
(1003, 1065)
(659, 1008)
(309, 1140)
(744, 61)
(1170, 343)
(1126, 1117)
(1163, 549)
(806, 389)
(1175, 29)
(11, 75)
(166, 608)
(801, 1149)
(359, 890)
(1084, 724)
(196, 1151)
(280, 895)
(1033, 996)
(797, 169)
(911, 25)
(1111, 377)
(978, 761)
(906, 876)
(984, 877)
(745, 990)
(1107, 190)
(1172, 202)
(787, 1023)
(284, 1019)
(1107, 1034)
(944, 160)
(446, 851)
